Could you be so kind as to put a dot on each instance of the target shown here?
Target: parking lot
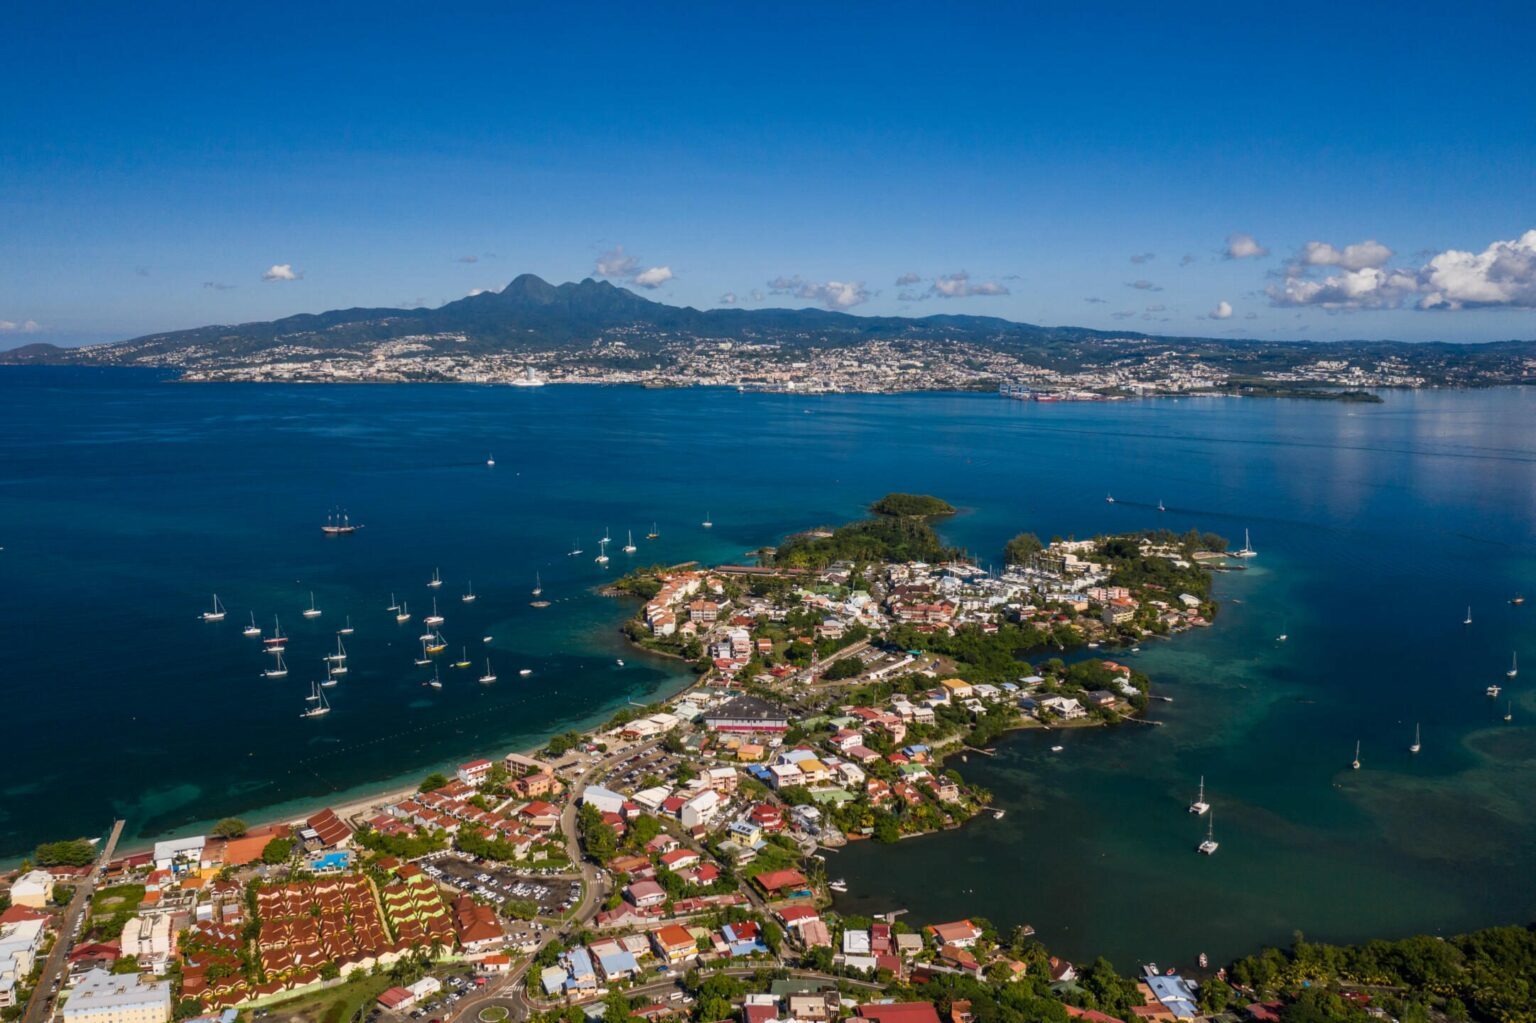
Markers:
(553, 893)
(629, 773)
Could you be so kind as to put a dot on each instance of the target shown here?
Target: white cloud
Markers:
(1367, 288)
(1369, 253)
(907, 279)
(24, 327)
(479, 291)
(1244, 246)
(281, 272)
(1503, 274)
(614, 263)
(729, 298)
(1223, 311)
(958, 285)
(654, 277)
(832, 294)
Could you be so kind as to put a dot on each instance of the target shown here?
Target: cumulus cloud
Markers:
(1223, 311)
(1503, 274)
(959, 285)
(1367, 254)
(1143, 257)
(1244, 246)
(1143, 286)
(832, 294)
(24, 327)
(281, 272)
(907, 279)
(729, 298)
(654, 277)
(1367, 288)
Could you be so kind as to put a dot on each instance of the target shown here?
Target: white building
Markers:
(149, 940)
(20, 943)
(34, 888)
(103, 997)
(169, 854)
(701, 809)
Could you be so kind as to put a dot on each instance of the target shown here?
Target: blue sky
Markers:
(1158, 168)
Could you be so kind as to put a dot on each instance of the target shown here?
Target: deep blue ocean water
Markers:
(125, 501)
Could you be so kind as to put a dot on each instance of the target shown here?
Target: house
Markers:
(899, 1012)
(701, 809)
(777, 882)
(476, 925)
(474, 773)
(330, 831)
(673, 943)
(104, 997)
(961, 933)
(678, 859)
(616, 963)
(958, 689)
(747, 714)
(34, 889)
(604, 800)
(1066, 707)
(178, 854)
(645, 894)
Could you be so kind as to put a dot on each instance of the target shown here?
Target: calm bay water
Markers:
(125, 502)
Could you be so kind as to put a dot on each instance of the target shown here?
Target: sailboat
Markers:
(314, 693)
(602, 548)
(1210, 845)
(340, 654)
(463, 661)
(436, 644)
(278, 670)
(1494, 689)
(1160, 505)
(435, 681)
(607, 537)
(404, 614)
(345, 630)
(335, 671)
(489, 676)
(1468, 620)
(630, 548)
(653, 534)
(434, 619)
(312, 611)
(1200, 805)
(1509, 711)
(338, 525)
(538, 585)
(1514, 666)
(424, 659)
(252, 629)
(525, 672)
(469, 593)
(575, 549)
(274, 643)
(1247, 550)
(1109, 498)
(1355, 763)
(322, 705)
(1416, 744)
(394, 605)
(1517, 599)
(330, 679)
(490, 460)
(436, 581)
(217, 614)
(707, 523)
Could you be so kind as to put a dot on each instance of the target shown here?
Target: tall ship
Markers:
(339, 524)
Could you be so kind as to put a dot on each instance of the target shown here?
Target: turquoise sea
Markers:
(126, 501)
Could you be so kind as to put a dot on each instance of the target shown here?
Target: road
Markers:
(41, 1004)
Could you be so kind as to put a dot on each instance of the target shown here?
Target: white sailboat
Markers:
(1200, 806)
(1354, 764)
(602, 548)
(1210, 845)
(217, 614)
(1109, 498)
(345, 630)
(1509, 711)
(1416, 744)
(538, 585)
(394, 605)
(1494, 689)
(339, 656)
(1247, 550)
(314, 693)
(1514, 666)
(575, 549)
(630, 548)
(469, 592)
(424, 659)
(1160, 505)
(312, 611)
(404, 614)
(525, 672)
(330, 680)
(278, 670)
(436, 581)
(1468, 620)
(436, 681)
(654, 533)
(335, 671)
(708, 523)
(490, 460)
(252, 629)
(489, 675)
(322, 705)
(434, 619)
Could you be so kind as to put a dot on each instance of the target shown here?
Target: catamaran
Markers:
(1210, 845)
(653, 534)
(1514, 666)
(1247, 550)
(312, 611)
(252, 629)
(278, 670)
(630, 548)
(463, 661)
(404, 614)
(469, 592)
(345, 630)
(1200, 805)
(602, 549)
(434, 619)
(489, 676)
(217, 614)
(1355, 763)
(436, 581)
(1416, 744)
(274, 643)
(322, 705)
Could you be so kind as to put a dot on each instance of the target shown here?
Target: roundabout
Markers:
(493, 1014)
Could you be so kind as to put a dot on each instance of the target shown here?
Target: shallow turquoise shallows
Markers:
(126, 502)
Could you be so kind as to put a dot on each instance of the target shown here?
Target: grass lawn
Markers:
(332, 1005)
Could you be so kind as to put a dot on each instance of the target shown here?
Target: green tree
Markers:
(229, 827)
(1021, 548)
(277, 851)
(432, 782)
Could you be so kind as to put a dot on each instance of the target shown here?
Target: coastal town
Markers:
(670, 864)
